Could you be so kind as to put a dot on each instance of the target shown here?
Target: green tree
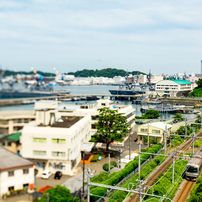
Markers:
(178, 117)
(181, 131)
(151, 114)
(111, 126)
(199, 83)
(59, 194)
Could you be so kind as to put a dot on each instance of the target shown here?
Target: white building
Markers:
(54, 140)
(156, 78)
(15, 172)
(92, 109)
(173, 88)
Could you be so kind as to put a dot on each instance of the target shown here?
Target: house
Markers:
(15, 172)
(55, 139)
(11, 142)
(13, 121)
(173, 88)
(154, 130)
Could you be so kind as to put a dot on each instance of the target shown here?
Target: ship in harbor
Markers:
(133, 88)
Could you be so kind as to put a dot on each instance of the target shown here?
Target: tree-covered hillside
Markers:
(10, 72)
(108, 72)
(198, 90)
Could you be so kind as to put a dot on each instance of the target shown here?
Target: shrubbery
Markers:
(112, 165)
(196, 193)
(95, 158)
(116, 177)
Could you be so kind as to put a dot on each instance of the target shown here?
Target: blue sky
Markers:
(164, 36)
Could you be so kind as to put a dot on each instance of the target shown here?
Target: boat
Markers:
(163, 108)
(24, 90)
(155, 102)
(132, 88)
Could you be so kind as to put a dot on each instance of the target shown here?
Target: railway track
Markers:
(163, 168)
(184, 192)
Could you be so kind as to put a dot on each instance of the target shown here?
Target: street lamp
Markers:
(83, 158)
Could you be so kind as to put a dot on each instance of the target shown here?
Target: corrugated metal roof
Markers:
(10, 160)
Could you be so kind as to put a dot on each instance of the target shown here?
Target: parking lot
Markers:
(51, 181)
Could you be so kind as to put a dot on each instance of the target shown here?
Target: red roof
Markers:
(43, 189)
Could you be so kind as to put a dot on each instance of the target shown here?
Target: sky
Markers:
(135, 35)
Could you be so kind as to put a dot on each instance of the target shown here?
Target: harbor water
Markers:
(92, 90)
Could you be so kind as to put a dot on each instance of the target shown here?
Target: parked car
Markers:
(46, 174)
(58, 175)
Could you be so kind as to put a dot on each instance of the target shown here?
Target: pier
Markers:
(63, 97)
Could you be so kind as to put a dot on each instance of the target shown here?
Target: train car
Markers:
(194, 166)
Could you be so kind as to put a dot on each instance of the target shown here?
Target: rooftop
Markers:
(17, 114)
(159, 124)
(181, 81)
(66, 121)
(13, 136)
(10, 160)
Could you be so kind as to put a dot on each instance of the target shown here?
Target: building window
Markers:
(40, 165)
(9, 144)
(94, 118)
(26, 186)
(93, 126)
(59, 141)
(25, 171)
(19, 120)
(11, 188)
(156, 131)
(143, 130)
(10, 173)
(59, 154)
(39, 153)
(58, 167)
(26, 120)
(41, 140)
(3, 143)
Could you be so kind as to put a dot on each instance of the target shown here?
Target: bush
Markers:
(112, 165)
(95, 158)
(116, 177)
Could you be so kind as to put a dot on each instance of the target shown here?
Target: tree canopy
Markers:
(149, 114)
(60, 194)
(108, 72)
(178, 117)
(111, 126)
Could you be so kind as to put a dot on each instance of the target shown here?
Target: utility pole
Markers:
(83, 157)
(120, 154)
(89, 174)
(47, 197)
(139, 162)
(165, 138)
(173, 171)
(109, 163)
(186, 126)
(193, 143)
(148, 135)
(130, 145)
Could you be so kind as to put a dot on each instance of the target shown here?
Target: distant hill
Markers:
(10, 72)
(108, 72)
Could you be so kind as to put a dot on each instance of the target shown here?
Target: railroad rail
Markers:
(162, 169)
(184, 192)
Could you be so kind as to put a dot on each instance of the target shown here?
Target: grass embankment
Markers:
(163, 186)
(113, 179)
(119, 196)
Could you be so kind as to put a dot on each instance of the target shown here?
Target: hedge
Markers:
(116, 177)
(95, 158)
(112, 165)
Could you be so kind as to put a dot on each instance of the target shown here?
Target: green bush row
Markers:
(116, 177)
(112, 165)
(119, 196)
(196, 193)
(165, 183)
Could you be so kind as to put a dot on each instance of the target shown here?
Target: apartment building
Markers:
(173, 88)
(14, 121)
(92, 109)
(55, 139)
(15, 172)
(154, 130)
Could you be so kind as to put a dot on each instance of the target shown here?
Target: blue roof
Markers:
(181, 81)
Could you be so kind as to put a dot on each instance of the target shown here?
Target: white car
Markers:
(46, 174)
